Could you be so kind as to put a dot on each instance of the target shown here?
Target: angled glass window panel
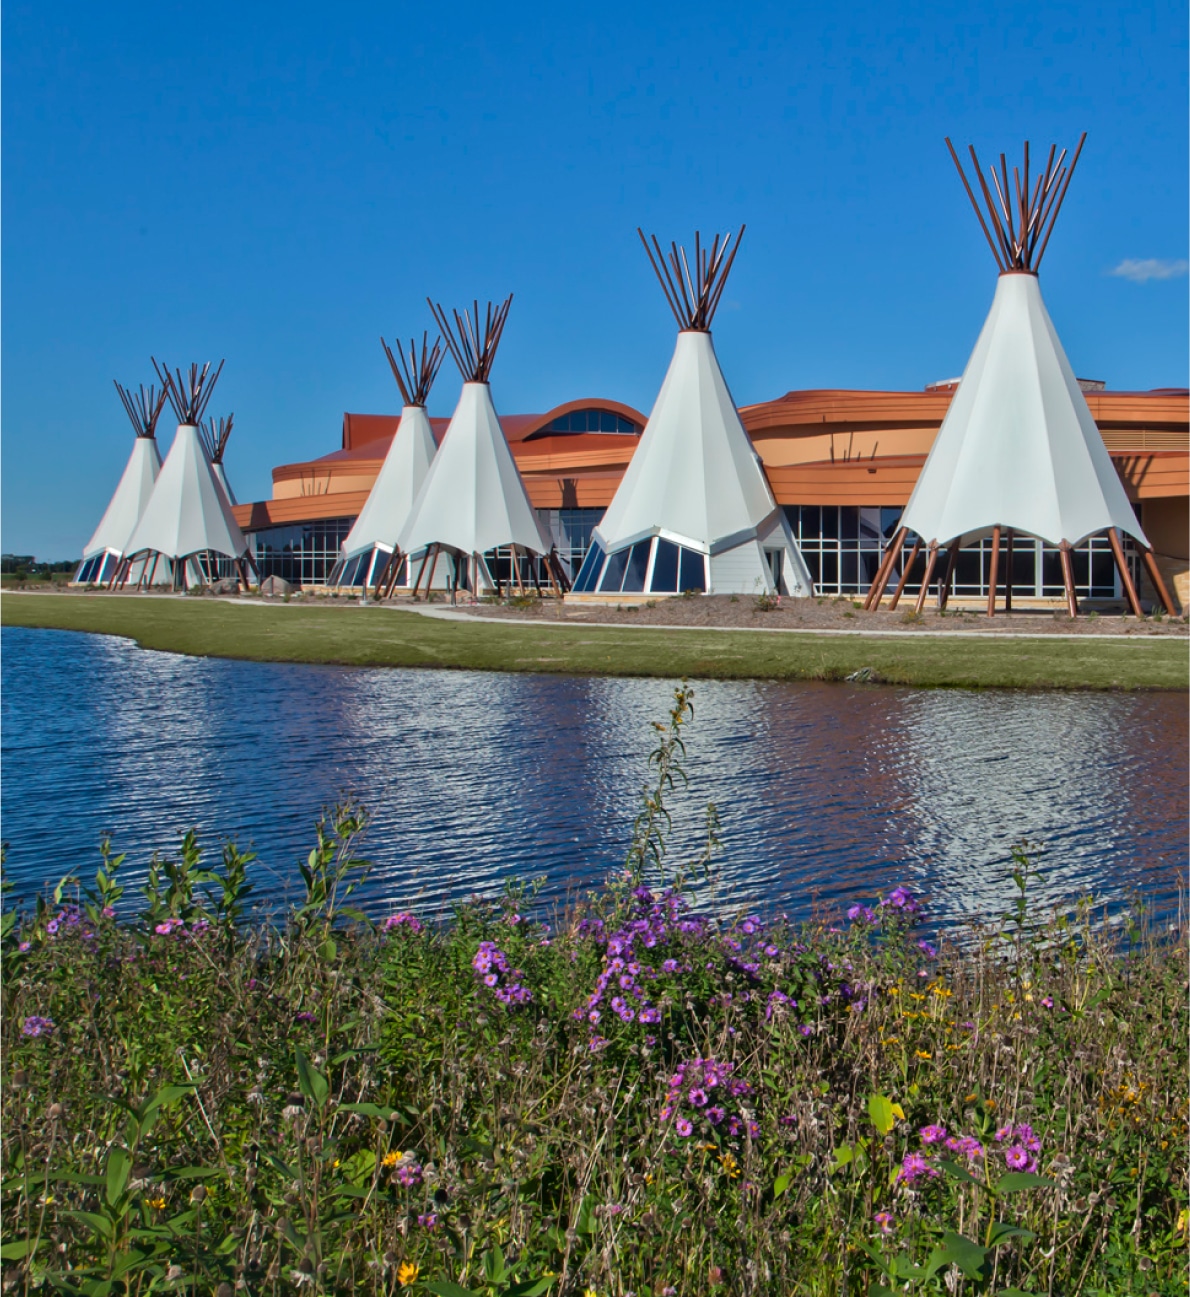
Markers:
(613, 573)
(638, 567)
(607, 421)
(848, 521)
(869, 524)
(624, 425)
(589, 572)
(693, 571)
(665, 568)
(890, 519)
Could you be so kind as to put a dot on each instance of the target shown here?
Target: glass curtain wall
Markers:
(843, 544)
(302, 554)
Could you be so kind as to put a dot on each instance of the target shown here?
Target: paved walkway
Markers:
(453, 614)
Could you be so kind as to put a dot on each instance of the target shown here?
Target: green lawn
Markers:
(371, 636)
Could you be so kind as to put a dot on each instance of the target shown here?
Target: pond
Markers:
(826, 793)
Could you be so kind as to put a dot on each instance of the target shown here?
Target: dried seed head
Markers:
(224, 1290)
(198, 1194)
(54, 1112)
(19, 1077)
(306, 1265)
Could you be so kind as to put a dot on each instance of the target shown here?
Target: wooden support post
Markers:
(433, 569)
(952, 559)
(931, 560)
(533, 573)
(905, 570)
(1158, 584)
(1008, 572)
(422, 570)
(1125, 576)
(884, 571)
(1068, 578)
(994, 574)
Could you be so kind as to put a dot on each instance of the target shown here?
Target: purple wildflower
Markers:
(930, 952)
(1016, 1157)
(913, 1168)
(684, 1127)
(698, 1098)
(429, 1220)
(885, 1220)
(304, 1016)
(715, 1115)
(24, 946)
(404, 920)
(932, 1134)
(1047, 1001)
(36, 1025)
(968, 1145)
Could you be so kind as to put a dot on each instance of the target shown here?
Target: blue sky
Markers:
(279, 185)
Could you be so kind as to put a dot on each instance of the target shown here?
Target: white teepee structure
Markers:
(214, 435)
(106, 548)
(694, 511)
(370, 555)
(473, 500)
(188, 521)
(1018, 451)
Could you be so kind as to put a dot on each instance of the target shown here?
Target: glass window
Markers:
(588, 573)
(890, 520)
(848, 522)
(638, 567)
(830, 522)
(665, 568)
(613, 573)
(694, 571)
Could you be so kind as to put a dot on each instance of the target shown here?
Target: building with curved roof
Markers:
(841, 463)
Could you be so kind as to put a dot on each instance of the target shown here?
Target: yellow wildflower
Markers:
(407, 1274)
(390, 1159)
(943, 991)
(921, 1053)
(158, 1204)
(730, 1166)
(894, 990)
(913, 995)
(1183, 1220)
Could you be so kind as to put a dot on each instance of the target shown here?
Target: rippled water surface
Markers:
(824, 791)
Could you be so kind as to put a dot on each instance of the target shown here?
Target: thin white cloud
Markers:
(1141, 271)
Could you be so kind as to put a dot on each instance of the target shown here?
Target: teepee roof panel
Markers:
(473, 498)
(128, 502)
(188, 511)
(390, 502)
(1018, 446)
(694, 473)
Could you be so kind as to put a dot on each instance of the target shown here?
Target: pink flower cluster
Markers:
(403, 922)
(698, 1091)
(1023, 1147)
(492, 968)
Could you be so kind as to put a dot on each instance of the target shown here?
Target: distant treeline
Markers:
(29, 564)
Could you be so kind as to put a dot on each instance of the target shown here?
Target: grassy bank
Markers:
(635, 1100)
(372, 636)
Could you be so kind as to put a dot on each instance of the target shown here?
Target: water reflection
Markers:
(825, 793)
